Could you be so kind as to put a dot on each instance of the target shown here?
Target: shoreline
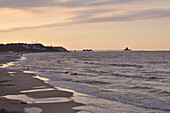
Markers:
(41, 94)
(15, 82)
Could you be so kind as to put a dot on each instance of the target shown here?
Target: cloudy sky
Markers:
(96, 24)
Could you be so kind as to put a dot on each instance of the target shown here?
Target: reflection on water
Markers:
(23, 98)
(11, 72)
(28, 71)
(22, 58)
(40, 87)
(37, 90)
(41, 78)
(12, 75)
(53, 100)
(33, 110)
(7, 65)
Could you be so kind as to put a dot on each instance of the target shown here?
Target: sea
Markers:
(107, 81)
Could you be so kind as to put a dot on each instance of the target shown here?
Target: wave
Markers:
(127, 65)
(92, 82)
(140, 87)
(141, 77)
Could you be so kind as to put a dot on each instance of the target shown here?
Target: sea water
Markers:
(113, 81)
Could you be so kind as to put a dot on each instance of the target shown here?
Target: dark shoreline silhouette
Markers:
(24, 47)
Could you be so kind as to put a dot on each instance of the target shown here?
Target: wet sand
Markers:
(15, 82)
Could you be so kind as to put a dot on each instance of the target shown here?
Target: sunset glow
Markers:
(78, 24)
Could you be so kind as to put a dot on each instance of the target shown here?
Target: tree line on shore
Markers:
(24, 47)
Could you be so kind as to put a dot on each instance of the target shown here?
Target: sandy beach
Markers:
(36, 95)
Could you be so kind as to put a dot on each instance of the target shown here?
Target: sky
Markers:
(83, 24)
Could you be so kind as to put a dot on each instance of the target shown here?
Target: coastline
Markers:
(26, 85)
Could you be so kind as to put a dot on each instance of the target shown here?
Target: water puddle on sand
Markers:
(29, 72)
(7, 65)
(11, 72)
(30, 100)
(23, 98)
(41, 78)
(53, 100)
(12, 75)
(33, 110)
(37, 90)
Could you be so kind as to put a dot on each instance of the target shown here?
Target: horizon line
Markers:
(133, 49)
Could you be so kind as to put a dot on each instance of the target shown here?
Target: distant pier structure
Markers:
(87, 50)
(127, 49)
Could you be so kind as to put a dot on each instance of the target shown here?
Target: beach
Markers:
(94, 82)
(36, 95)
(108, 82)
